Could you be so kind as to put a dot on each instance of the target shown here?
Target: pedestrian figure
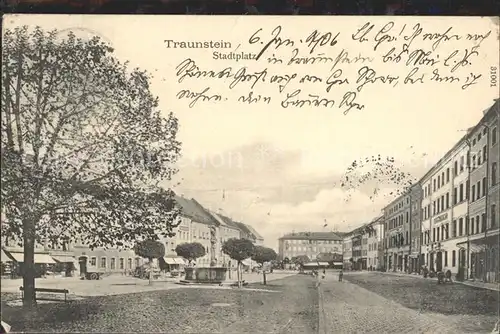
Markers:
(324, 274)
(341, 273)
(448, 276)
(318, 280)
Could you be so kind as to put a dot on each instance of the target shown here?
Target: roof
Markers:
(489, 114)
(225, 220)
(190, 208)
(243, 228)
(312, 236)
(254, 232)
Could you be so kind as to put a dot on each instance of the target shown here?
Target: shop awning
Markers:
(337, 263)
(475, 248)
(170, 260)
(174, 260)
(44, 259)
(4, 257)
(316, 264)
(247, 262)
(63, 258)
(19, 257)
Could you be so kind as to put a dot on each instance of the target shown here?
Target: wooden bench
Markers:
(45, 290)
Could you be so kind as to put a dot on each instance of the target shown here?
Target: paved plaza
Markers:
(362, 303)
(382, 303)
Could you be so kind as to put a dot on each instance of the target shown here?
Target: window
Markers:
(462, 162)
(93, 261)
(445, 258)
(129, 263)
(113, 263)
(122, 263)
(454, 229)
(483, 221)
(439, 181)
(455, 195)
(494, 136)
(434, 184)
(467, 189)
(461, 197)
(433, 235)
(473, 162)
(455, 168)
(447, 231)
(447, 175)
(477, 224)
(453, 258)
(447, 200)
(103, 262)
(473, 193)
(472, 225)
(494, 173)
(478, 193)
(493, 215)
(485, 187)
(460, 226)
(442, 203)
(437, 233)
(484, 153)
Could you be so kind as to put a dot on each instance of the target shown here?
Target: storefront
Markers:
(65, 265)
(484, 258)
(15, 267)
(174, 263)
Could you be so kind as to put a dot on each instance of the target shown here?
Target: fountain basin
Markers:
(211, 275)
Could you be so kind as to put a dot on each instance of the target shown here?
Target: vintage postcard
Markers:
(250, 174)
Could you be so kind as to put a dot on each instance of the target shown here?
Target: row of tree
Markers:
(237, 249)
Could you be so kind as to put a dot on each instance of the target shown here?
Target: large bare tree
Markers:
(84, 147)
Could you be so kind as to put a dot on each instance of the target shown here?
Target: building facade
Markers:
(415, 227)
(397, 218)
(347, 251)
(228, 229)
(375, 236)
(445, 206)
(482, 229)
(309, 244)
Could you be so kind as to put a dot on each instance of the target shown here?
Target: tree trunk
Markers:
(28, 272)
(239, 274)
(150, 271)
(264, 273)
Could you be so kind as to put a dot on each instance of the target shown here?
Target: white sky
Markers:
(279, 167)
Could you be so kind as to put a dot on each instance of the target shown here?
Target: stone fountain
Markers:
(211, 275)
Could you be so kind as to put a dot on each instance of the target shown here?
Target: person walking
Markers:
(341, 273)
(318, 279)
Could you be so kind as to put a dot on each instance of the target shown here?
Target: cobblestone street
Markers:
(374, 302)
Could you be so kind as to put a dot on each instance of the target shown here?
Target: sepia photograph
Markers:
(242, 174)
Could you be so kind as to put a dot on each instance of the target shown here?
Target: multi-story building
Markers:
(258, 239)
(347, 251)
(196, 225)
(397, 221)
(357, 257)
(375, 236)
(445, 205)
(482, 228)
(309, 243)
(492, 235)
(228, 229)
(415, 228)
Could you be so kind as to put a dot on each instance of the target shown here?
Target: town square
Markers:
(159, 189)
